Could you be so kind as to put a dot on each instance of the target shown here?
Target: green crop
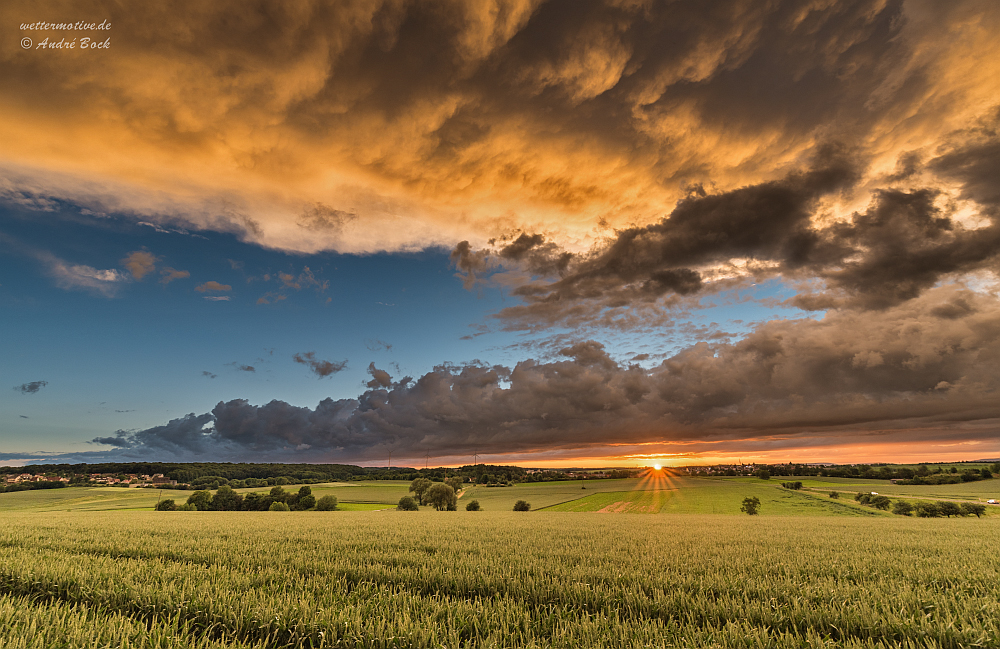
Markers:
(495, 579)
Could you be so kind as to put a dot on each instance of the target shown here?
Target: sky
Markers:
(587, 233)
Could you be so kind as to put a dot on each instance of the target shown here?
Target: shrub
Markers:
(186, 508)
(278, 507)
(522, 506)
(763, 474)
(167, 505)
(326, 504)
(792, 485)
(407, 504)
(473, 506)
(926, 509)
(902, 508)
(835, 494)
(751, 505)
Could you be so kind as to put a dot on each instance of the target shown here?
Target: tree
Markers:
(751, 505)
(278, 494)
(902, 508)
(441, 497)
(926, 509)
(473, 506)
(455, 483)
(948, 509)
(227, 500)
(419, 487)
(880, 502)
(278, 507)
(763, 474)
(167, 505)
(522, 506)
(305, 499)
(408, 504)
(326, 504)
(201, 499)
(986, 473)
(973, 509)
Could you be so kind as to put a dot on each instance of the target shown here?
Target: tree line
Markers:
(225, 499)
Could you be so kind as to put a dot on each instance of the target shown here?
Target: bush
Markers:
(167, 505)
(902, 508)
(407, 504)
(763, 474)
(751, 505)
(835, 494)
(522, 506)
(792, 485)
(473, 506)
(186, 508)
(326, 504)
(278, 507)
(926, 509)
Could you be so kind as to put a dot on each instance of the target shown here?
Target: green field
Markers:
(495, 579)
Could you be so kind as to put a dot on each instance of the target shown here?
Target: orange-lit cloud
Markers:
(393, 126)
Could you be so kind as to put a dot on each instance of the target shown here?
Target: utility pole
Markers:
(390, 460)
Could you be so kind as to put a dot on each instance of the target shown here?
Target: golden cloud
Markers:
(383, 125)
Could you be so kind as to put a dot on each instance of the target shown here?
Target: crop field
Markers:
(495, 579)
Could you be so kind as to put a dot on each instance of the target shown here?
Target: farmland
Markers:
(810, 571)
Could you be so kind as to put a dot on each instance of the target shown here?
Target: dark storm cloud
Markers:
(320, 368)
(903, 243)
(915, 368)
(30, 388)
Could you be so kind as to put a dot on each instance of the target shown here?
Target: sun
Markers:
(657, 467)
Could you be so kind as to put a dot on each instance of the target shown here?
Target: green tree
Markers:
(763, 474)
(166, 505)
(949, 509)
(455, 483)
(227, 500)
(201, 499)
(407, 504)
(751, 505)
(473, 506)
(305, 499)
(902, 508)
(277, 506)
(278, 494)
(419, 487)
(522, 506)
(986, 473)
(326, 504)
(880, 502)
(441, 497)
(974, 509)
(926, 509)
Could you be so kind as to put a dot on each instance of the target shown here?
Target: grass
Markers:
(495, 579)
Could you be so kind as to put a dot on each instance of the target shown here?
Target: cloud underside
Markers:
(384, 125)
(920, 371)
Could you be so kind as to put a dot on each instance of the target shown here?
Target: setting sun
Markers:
(657, 467)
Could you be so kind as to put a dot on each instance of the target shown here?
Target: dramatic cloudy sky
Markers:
(563, 232)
